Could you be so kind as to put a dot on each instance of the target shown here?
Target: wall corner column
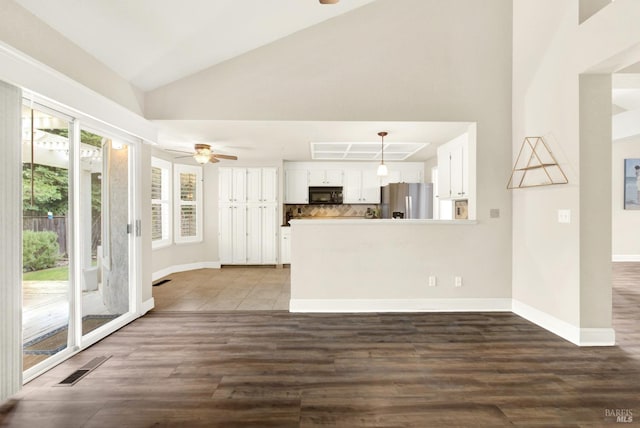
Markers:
(595, 204)
(10, 241)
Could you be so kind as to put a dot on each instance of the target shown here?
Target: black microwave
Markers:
(325, 195)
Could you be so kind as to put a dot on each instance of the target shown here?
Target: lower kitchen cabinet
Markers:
(285, 245)
(248, 234)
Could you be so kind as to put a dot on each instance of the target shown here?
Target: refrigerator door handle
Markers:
(408, 206)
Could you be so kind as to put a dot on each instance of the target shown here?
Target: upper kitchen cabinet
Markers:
(456, 164)
(232, 185)
(326, 177)
(361, 186)
(296, 186)
(262, 185)
(408, 172)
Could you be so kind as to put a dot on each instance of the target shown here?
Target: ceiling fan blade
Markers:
(176, 151)
(181, 157)
(213, 160)
(219, 156)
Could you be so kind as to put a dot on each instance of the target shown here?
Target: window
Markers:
(188, 205)
(160, 203)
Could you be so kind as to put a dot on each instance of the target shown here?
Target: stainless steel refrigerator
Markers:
(407, 200)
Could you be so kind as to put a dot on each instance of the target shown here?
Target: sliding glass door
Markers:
(78, 238)
(106, 229)
(46, 238)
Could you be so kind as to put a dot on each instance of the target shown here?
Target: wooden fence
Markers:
(57, 224)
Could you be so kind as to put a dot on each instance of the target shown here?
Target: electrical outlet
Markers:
(457, 281)
(433, 281)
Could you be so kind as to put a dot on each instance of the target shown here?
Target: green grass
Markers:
(54, 274)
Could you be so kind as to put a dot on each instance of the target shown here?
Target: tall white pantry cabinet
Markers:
(248, 215)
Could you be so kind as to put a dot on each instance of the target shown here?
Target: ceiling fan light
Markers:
(202, 154)
(201, 158)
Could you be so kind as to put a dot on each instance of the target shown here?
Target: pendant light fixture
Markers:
(382, 168)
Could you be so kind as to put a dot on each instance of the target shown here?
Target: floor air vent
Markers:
(75, 377)
(162, 281)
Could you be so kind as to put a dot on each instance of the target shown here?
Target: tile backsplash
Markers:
(345, 210)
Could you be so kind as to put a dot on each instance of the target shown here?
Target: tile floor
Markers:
(230, 288)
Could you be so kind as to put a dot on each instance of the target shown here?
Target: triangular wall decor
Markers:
(535, 166)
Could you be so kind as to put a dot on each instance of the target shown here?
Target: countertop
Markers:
(330, 218)
(382, 221)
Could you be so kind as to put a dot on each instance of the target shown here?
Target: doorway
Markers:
(77, 235)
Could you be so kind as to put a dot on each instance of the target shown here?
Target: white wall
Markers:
(178, 257)
(551, 261)
(406, 60)
(386, 260)
(22, 30)
(626, 244)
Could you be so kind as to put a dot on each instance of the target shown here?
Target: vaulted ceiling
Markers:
(154, 42)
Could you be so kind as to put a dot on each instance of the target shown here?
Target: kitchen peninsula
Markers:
(393, 265)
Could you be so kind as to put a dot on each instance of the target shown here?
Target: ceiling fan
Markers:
(203, 154)
(329, 1)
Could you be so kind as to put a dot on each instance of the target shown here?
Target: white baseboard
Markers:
(147, 305)
(400, 305)
(570, 332)
(576, 335)
(626, 258)
(183, 268)
(597, 337)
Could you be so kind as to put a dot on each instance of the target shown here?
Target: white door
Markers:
(269, 225)
(370, 187)
(412, 175)
(225, 228)
(254, 185)
(254, 238)
(296, 187)
(269, 185)
(457, 190)
(285, 245)
(225, 185)
(352, 190)
(239, 185)
(444, 173)
(316, 177)
(334, 177)
(239, 231)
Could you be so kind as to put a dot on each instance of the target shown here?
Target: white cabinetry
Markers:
(296, 186)
(232, 185)
(262, 185)
(233, 234)
(453, 169)
(285, 245)
(361, 186)
(412, 172)
(261, 234)
(248, 215)
(325, 177)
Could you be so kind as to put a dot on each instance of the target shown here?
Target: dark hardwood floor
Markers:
(275, 369)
